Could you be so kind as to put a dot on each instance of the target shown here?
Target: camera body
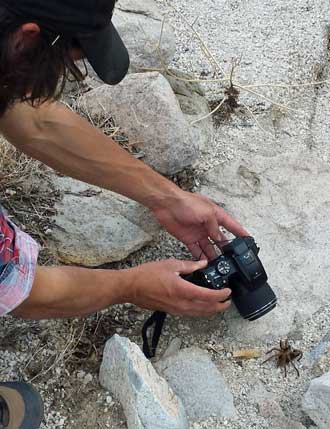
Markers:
(240, 269)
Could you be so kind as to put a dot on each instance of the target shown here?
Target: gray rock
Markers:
(96, 226)
(140, 26)
(196, 380)
(317, 357)
(173, 347)
(195, 106)
(148, 401)
(285, 204)
(316, 401)
(284, 423)
(146, 109)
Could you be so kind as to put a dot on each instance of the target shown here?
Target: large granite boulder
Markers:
(148, 112)
(95, 226)
(284, 202)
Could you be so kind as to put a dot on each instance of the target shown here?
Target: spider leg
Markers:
(294, 366)
(271, 357)
(300, 356)
(273, 350)
(285, 371)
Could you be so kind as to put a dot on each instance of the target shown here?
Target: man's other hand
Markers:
(194, 219)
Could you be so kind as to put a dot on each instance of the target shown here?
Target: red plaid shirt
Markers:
(18, 260)
(7, 242)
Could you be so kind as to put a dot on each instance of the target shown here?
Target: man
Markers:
(39, 42)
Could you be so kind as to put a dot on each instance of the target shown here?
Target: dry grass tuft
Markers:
(29, 196)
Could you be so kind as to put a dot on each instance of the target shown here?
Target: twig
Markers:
(255, 119)
(283, 85)
(205, 49)
(283, 106)
(210, 113)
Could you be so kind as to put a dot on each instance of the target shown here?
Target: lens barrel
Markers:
(253, 303)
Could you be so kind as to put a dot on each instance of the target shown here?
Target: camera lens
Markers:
(253, 303)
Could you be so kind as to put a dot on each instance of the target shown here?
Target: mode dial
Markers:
(223, 268)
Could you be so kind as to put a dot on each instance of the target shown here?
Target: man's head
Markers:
(38, 39)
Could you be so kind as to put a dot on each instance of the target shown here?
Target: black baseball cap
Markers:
(88, 22)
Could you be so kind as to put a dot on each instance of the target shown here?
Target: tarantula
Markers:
(285, 355)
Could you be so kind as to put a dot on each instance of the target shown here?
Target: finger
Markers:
(212, 227)
(231, 224)
(208, 249)
(200, 309)
(193, 292)
(188, 267)
(196, 251)
(210, 310)
(224, 240)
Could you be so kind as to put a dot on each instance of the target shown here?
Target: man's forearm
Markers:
(69, 144)
(71, 291)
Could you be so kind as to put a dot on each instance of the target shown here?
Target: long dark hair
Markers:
(38, 72)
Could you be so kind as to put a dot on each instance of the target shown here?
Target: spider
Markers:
(285, 355)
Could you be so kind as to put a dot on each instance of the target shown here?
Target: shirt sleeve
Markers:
(18, 261)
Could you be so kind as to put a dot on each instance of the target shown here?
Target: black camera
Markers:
(239, 269)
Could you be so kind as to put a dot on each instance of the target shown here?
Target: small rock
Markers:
(316, 401)
(173, 347)
(197, 381)
(195, 106)
(88, 378)
(270, 408)
(147, 400)
(81, 374)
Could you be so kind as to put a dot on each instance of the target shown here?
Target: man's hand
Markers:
(194, 219)
(158, 286)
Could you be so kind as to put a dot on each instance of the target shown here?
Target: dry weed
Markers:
(29, 196)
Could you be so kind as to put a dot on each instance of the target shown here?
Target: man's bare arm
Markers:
(69, 144)
(66, 142)
(72, 291)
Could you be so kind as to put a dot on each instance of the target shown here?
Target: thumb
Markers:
(188, 267)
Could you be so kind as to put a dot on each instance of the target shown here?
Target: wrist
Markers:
(165, 197)
(118, 285)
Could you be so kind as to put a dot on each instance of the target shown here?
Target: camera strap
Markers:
(157, 319)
